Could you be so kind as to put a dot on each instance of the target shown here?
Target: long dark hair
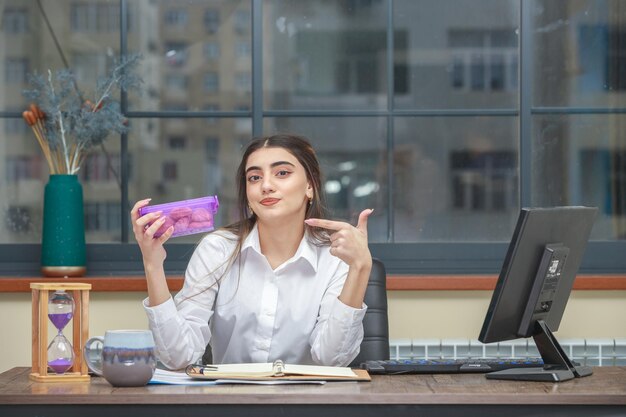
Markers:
(301, 148)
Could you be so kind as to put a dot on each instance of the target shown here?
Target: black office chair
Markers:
(375, 345)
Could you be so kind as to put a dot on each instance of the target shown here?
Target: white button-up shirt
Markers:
(256, 314)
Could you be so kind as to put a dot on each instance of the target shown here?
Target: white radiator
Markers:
(593, 352)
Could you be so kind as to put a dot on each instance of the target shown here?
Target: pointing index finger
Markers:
(326, 224)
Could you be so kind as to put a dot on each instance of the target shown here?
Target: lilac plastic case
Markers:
(187, 216)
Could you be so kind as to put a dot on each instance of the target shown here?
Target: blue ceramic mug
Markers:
(126, 357)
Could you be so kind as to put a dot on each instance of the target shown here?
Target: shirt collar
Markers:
(306, 250)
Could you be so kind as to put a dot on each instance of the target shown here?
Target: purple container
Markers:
(187, 216)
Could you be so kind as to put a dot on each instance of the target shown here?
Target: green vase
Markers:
(63, 239)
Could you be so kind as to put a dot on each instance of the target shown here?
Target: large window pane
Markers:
(579, 48)
(197, 54)
(581, 159)
(88, 32)
(325, 54)
(24, 172)
(455, 179)
(176, 159)
(452, 54)
(352, 157)
(89, 35)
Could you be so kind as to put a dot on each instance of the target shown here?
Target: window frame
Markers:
(434, 258)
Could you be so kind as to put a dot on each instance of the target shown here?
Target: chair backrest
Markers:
(375, 345)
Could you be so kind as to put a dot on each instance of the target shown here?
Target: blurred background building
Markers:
(444, 116)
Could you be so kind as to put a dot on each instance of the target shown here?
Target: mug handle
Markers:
(93, 367)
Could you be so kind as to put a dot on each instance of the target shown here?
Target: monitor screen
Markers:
(534, 285)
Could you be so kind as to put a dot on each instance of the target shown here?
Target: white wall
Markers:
(412, 314)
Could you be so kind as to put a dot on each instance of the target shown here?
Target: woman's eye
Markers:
(282, 173)
(253, 178)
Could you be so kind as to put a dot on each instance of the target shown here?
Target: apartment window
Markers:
(601, 57)
(211, 82)
(170, 171)
(176, 81)
(94, 17)
(357, 69)
(15, 70)
(176, 54)
(483, 60)
(176, 18)
(483, 181)
(23, 167)
(212, 147)
(211, 50)
(211, 20)
(15, 126)
(15, 20)
(242, 21)
(607, 169)
(616, 60)
(102, 216)
(99, 167)
(177, 143)
(356, 74)
(242, 49)
(243, 82)
(89, 66)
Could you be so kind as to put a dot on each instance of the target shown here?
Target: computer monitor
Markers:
(534, 285)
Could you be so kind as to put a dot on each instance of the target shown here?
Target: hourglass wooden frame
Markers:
(80, 330)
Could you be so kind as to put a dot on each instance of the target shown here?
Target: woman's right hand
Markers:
(152, 248)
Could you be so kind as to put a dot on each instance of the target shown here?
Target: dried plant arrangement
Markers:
(68, 126)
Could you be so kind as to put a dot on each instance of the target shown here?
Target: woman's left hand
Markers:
(348, 243)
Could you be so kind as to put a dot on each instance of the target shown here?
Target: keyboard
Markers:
(446, 366)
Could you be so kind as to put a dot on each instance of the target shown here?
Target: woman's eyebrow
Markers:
(274, 164)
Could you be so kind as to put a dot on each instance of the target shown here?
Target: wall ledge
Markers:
(137, 283)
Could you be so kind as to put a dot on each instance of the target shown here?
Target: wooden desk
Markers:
(602, 394)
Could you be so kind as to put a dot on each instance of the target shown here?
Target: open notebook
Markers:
(276, 370)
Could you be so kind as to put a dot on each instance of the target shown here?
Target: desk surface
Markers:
(603, 393)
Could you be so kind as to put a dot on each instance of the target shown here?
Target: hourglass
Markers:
(60, 312)
(58, 304)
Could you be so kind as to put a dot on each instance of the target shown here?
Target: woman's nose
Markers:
(267, 184)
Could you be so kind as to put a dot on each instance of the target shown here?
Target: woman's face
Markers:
(276, 185)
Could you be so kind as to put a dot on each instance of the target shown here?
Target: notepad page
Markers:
(319, 370)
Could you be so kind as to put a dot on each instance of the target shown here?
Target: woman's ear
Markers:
(309, 191)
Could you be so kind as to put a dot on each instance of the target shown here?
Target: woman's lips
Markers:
(269, 201)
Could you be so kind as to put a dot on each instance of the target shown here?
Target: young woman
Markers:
(282, 283)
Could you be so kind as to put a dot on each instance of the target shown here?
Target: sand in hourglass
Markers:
(60, 320)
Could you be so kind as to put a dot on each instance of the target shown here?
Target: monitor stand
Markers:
(557, 366)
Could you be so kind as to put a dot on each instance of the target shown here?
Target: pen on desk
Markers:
(208, 368)
(200, 369)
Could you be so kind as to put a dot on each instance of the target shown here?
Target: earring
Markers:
(250, 209)
(311, 201)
